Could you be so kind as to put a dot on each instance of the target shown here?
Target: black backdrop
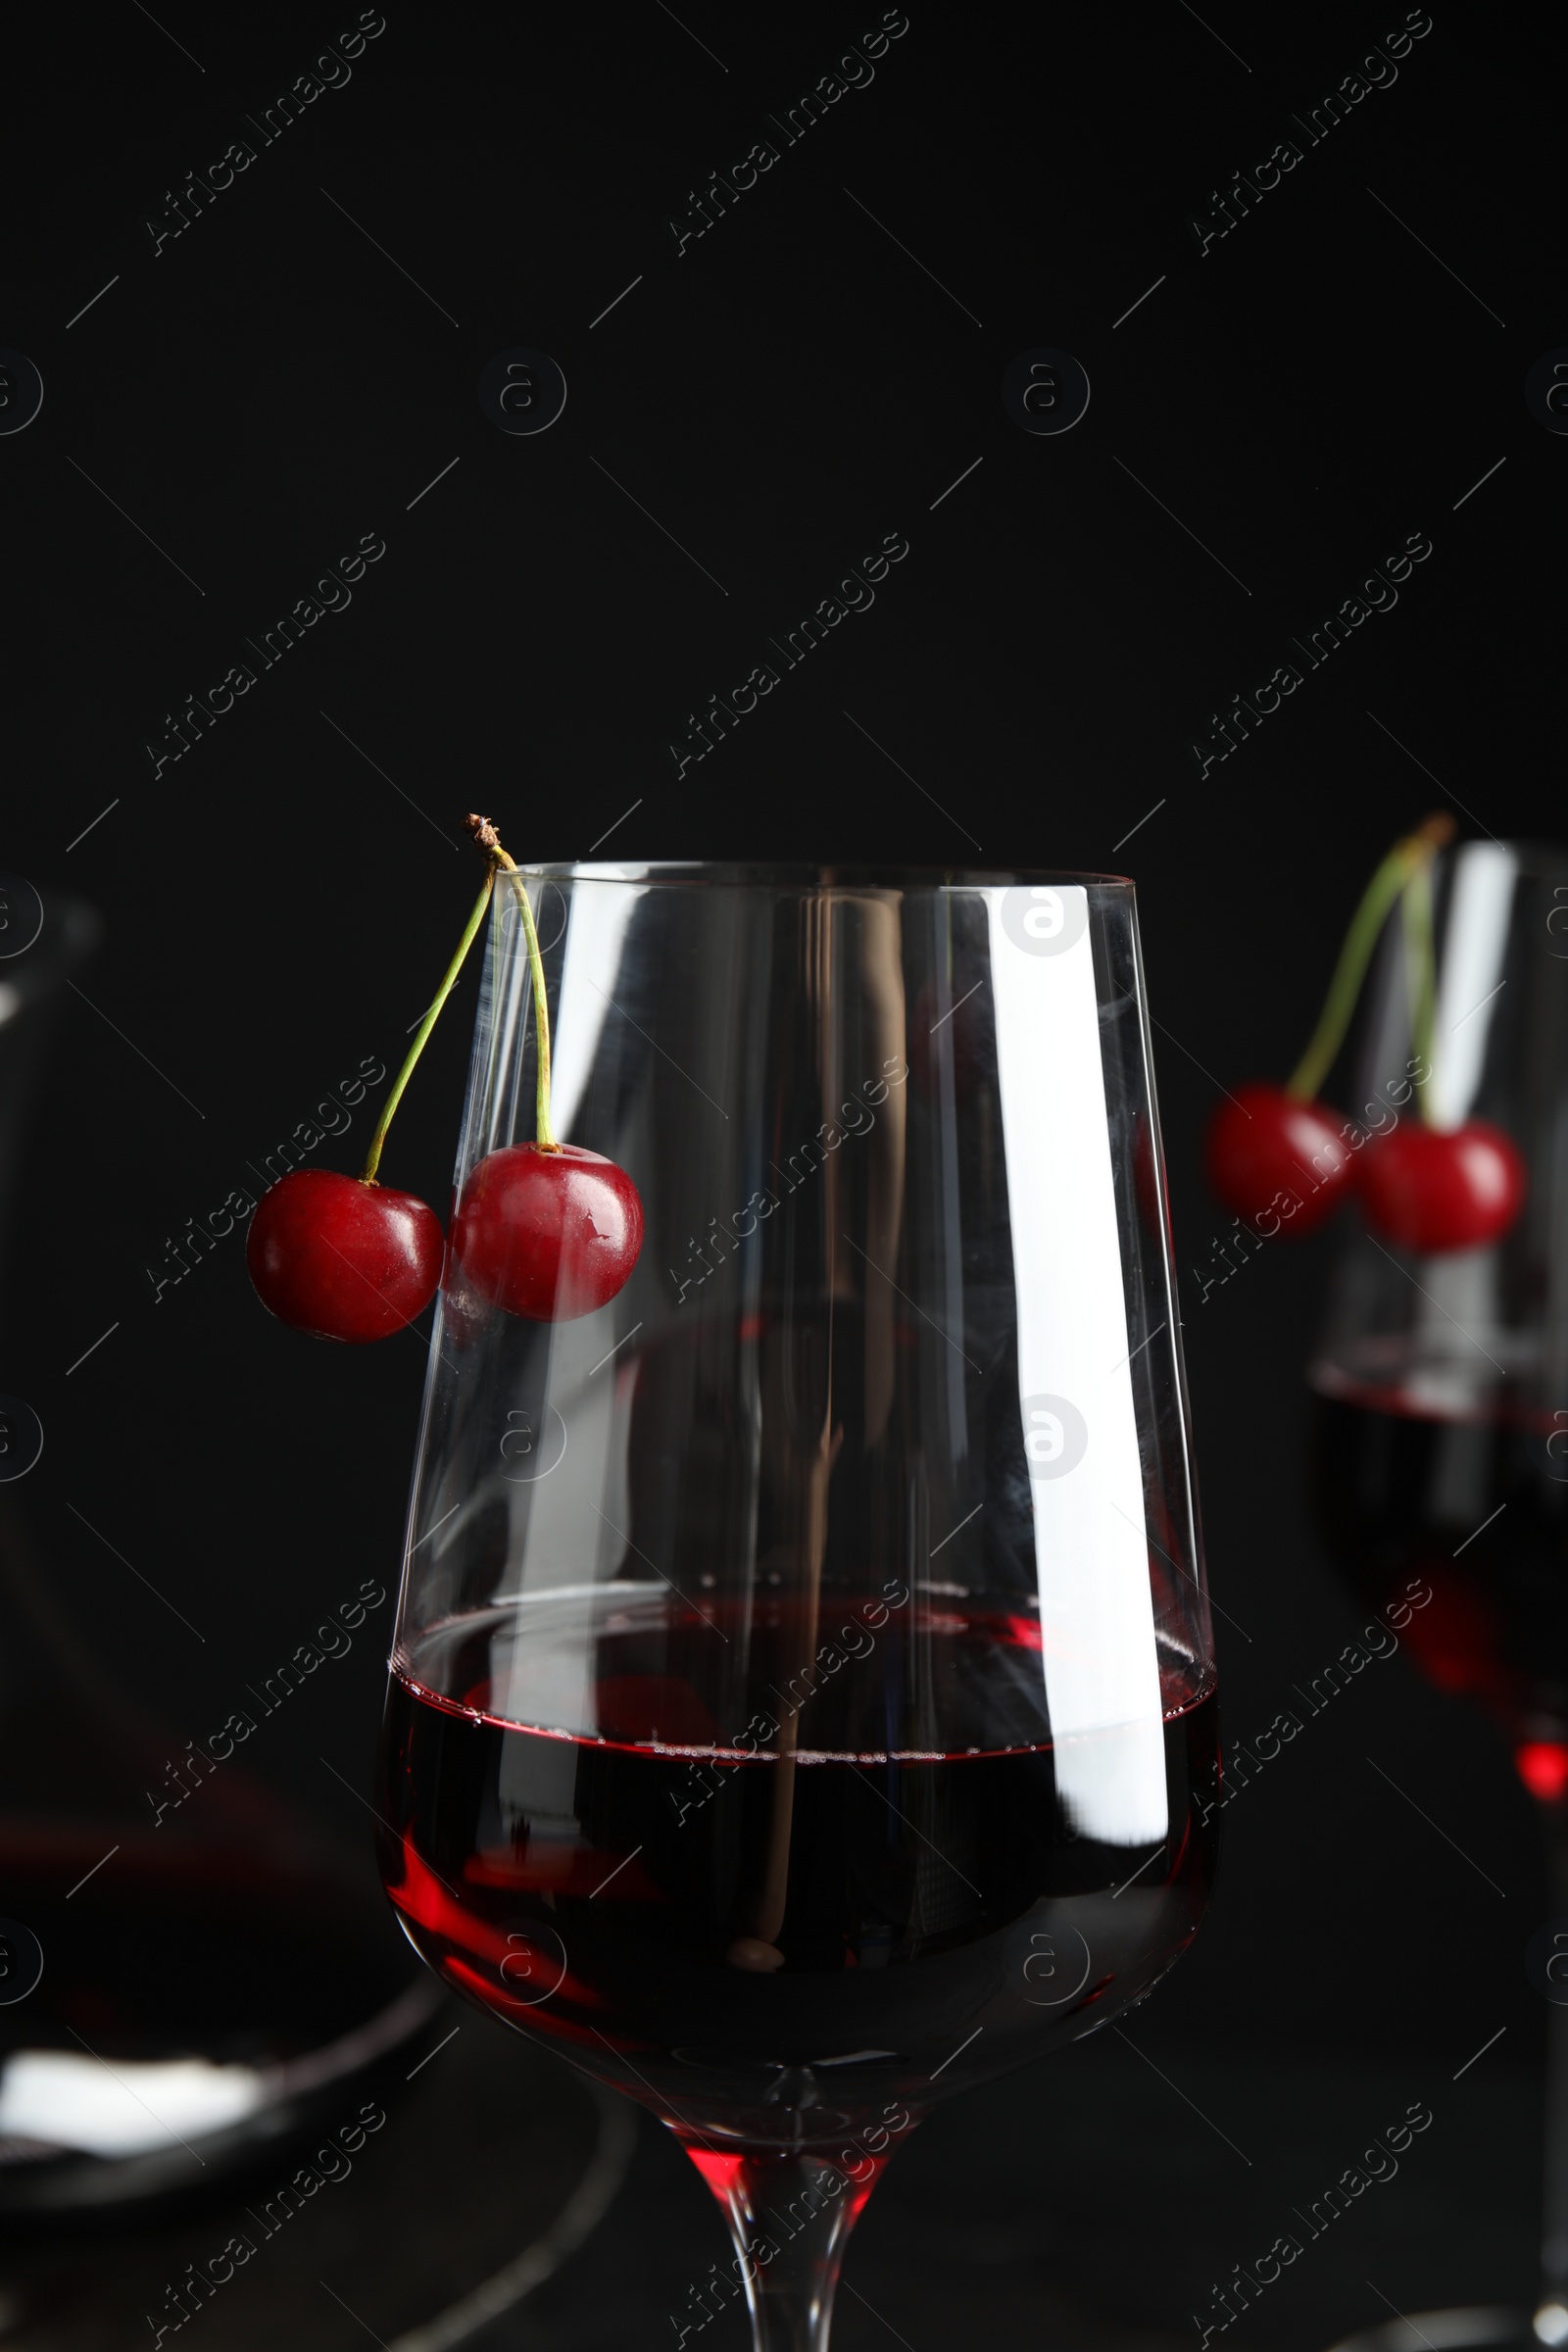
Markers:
(822, 367)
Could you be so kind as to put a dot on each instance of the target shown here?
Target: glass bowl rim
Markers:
(788, 875)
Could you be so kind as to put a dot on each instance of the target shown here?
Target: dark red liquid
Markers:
(1405, 1501)
(771, 1949)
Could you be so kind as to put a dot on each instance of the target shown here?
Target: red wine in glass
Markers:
(610, 1893)
(803, 1698)
(1461, 1524)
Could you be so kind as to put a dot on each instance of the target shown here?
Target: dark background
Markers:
(278, 903)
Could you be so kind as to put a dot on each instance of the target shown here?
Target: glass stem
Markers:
(789, 2218)
(1551, 2317)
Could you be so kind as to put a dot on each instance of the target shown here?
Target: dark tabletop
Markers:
(1091, 2203)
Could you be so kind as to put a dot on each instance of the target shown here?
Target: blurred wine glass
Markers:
(213, 1978)
(1441, 1418)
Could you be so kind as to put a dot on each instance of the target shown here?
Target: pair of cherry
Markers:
(1424, 1187)
(543, 1230)
(546, 1234)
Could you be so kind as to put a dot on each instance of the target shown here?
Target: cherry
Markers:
(547, 1234)
(1264, 1142)
(1276, 1151)
(1431, 1190)
(342, 1258)
(544, 1230)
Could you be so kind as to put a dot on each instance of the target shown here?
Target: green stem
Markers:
(372, 1159)
(543, 1133)
(485, 834)
(1405, 859)
(1421, 973)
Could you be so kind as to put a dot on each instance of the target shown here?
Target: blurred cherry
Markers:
(1262, 1142)
(1432, 1190)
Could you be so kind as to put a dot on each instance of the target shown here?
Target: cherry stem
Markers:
(1421, 980)
(372, 1159)
(485, 834)
(1405, 862)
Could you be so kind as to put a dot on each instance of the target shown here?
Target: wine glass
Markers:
(125, 1840)
(802, 1704)
(1439, 1443)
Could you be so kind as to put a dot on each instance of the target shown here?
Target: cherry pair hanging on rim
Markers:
(542, 1230)
(1421, 1187)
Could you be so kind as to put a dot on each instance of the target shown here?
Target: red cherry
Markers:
(1262, 1143)
(1431, 1191)
(548, 1235)
(343, 1259)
